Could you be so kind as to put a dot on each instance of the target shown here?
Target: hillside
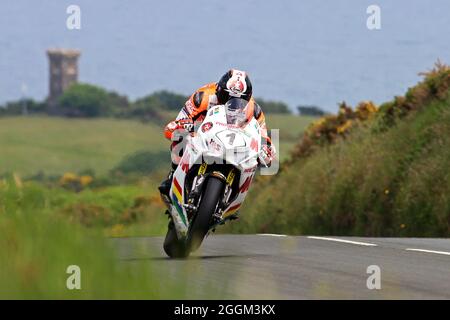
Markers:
(387, 176)
(56, 145)
(29, 145)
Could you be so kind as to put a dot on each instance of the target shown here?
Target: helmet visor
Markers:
(236, 109)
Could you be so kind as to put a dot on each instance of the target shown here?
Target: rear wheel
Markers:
(202, 220)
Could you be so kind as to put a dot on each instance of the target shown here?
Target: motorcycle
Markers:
(213, 176)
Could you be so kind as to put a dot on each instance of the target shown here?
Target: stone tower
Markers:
(63, 72)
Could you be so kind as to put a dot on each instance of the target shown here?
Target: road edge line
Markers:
(429, 251)
(367, 244)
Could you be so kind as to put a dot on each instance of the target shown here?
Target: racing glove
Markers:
(267, 155)
(182, 124)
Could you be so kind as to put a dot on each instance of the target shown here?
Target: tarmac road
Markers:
(300, 267)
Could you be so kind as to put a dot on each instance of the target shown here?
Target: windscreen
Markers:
(236, 110)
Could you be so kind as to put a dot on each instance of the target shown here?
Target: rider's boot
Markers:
(164, 187)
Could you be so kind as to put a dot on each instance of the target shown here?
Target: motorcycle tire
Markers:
(173, 247)
(202, 220)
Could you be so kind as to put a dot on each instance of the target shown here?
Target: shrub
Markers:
(75, 182)
(310, 111)
(269, 106)
(143, 162)
(84, 100)
(22, 107)
(328, 129)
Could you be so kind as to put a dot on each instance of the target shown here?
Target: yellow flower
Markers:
(68, 177)
(18, 181)
(370, 106)
(117, 230)
(316, 124)
(344, 127)
(86, 180)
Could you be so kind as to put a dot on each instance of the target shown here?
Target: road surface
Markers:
(301, 267)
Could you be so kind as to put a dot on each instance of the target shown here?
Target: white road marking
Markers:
(272, 235)
(429, 251)
(344, 241)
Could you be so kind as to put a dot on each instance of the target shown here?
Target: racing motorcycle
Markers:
(213, 177)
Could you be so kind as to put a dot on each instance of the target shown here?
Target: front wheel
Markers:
(202, 220)
(173, 247)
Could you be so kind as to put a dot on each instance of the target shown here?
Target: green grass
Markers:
(56, 145)
(38, 244)
(125, 210)
(291, 127)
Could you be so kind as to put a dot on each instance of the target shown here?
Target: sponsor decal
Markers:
(230, 177)
(207, 126)
(178, 199)
(228, 125)
(254, 145)
(202, 168)
(217, 147)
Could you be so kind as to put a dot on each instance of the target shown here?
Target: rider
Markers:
(233, 84)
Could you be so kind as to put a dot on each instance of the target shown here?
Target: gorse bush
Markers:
(328, 129)
(434, 87)
(75, 182)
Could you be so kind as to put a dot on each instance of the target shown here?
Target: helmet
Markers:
(234, 84)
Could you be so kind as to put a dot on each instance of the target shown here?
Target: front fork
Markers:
(194, 195)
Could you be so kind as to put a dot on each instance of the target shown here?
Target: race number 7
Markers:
(232, 137)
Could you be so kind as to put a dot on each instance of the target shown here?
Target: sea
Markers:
(302, 52)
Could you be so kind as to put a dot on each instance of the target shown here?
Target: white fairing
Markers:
(216, 141)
